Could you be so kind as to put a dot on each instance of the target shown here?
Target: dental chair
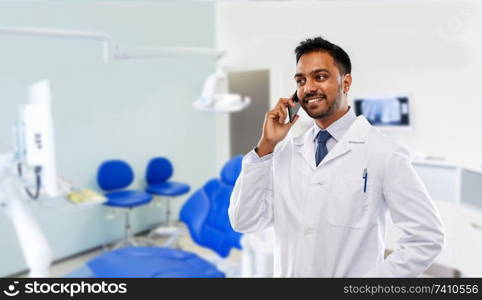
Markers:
(205, 214)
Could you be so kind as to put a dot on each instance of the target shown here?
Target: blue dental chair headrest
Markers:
(231, 170)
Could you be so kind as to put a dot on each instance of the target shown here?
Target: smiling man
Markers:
(328, 191)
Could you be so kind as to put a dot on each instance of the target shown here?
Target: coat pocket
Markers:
(348, 203)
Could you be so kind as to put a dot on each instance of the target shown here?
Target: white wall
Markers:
(428, 49)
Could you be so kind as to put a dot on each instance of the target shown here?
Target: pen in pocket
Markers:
(365, 176)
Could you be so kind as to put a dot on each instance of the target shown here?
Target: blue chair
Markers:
(113, 176)
(206, 215)
(158, 172)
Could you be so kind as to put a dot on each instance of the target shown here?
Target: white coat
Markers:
(326, 223)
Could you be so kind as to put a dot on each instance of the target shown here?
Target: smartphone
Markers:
(293, 110)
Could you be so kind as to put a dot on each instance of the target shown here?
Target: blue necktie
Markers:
(321, 149)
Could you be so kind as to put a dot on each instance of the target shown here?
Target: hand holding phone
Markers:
(293, 110)
(274, 127)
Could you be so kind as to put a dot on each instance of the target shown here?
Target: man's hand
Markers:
(274, 127)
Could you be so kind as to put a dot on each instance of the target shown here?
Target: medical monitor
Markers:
(386, 111)
(35, 137)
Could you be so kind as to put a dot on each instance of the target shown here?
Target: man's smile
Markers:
(309, 100)
(315, 100)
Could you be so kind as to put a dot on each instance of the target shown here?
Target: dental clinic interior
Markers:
(123, 125)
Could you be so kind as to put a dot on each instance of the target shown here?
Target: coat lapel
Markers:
(305, 148)
(356, 134)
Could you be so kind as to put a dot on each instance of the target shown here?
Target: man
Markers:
(327, 192)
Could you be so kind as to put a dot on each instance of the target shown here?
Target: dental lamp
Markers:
(215, 96)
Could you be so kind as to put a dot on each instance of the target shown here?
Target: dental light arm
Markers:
(215, 96)
(111, 50)
(215, 83)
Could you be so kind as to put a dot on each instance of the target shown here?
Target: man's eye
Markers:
(299, 81)
(320, 77)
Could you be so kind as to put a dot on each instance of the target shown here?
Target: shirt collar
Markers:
(338, 128)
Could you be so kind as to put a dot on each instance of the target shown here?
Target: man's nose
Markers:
(310, 87)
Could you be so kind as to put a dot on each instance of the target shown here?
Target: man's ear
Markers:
(346, 83)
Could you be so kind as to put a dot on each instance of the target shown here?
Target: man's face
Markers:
(319, 84)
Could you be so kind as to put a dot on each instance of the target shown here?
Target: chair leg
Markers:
(168, 211)
(167, 229)
(128, 239)
(128, 229)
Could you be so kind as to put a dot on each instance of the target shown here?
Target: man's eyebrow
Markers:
(313, 72)
(319, 70)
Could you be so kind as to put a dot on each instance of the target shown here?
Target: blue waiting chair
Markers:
(158, 172)
(113, 176)
(206, 215)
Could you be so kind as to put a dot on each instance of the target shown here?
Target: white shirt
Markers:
(337, 129)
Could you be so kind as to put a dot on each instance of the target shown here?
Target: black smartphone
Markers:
(293, 110)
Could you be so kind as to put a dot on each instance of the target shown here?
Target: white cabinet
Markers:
(457, 192)
(468, 241)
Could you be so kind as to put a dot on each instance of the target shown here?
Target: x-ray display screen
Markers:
(384, 111)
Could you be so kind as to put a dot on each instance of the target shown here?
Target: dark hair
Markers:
(341, 58)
